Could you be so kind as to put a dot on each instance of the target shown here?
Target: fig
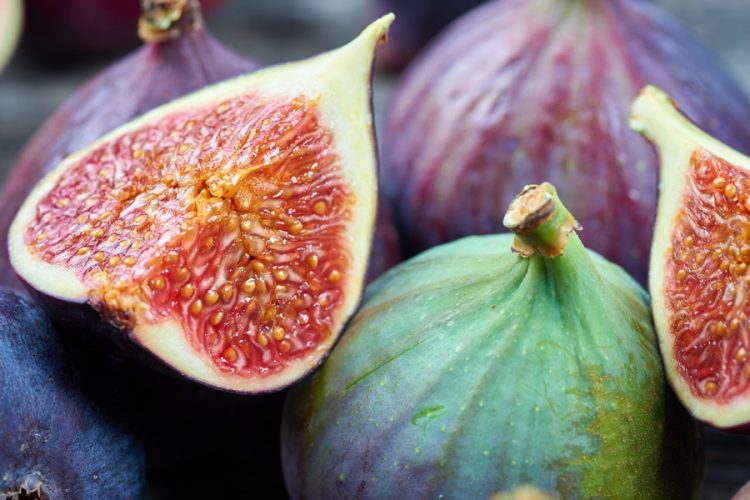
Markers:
(419, 21)
(520, 91)
(10, 27)
(54, 441)
(179, 56)
(471, 369)
(701, 250)
(226, 233)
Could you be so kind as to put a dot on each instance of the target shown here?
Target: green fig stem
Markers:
(540, 221)
(164, 20)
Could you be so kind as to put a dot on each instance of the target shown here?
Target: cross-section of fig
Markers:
(227, 233)
(699, 279)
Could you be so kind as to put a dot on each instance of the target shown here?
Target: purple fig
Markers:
(54, 441)
(521, 91)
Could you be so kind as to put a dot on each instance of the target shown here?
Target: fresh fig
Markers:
(519, 91)
(471, 370)
(54, 442)
(179, 56)
(10, 27)
(701, 251)
(226, 233)
(419, 21)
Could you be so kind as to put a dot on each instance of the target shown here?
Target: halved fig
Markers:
(10, 28)
(699, 279)
(227, 233)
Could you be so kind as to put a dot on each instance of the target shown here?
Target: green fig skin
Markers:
(471, 370)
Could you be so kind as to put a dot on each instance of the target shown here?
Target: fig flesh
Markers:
(471, 370)
(178, 57)
(699, 258)
(521, 91)
(228, 232)
(10, 28)
(54, 442)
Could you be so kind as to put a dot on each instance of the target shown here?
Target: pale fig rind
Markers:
(677, 139)
(11, 20)
(471, 370)
(338, 83)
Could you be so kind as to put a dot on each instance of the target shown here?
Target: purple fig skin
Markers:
(522, 91)
(53, 439)
(152, 75)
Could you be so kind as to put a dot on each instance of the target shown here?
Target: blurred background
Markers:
(40, 76)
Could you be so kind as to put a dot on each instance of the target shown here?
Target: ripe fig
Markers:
(519, 91)
(471, 369)
(226, 233)
(10, 27)
(699, 259)
(179, 56)
(54, 442)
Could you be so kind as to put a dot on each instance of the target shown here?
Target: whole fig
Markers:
(54, 441)
(472, 369)
(521, 91)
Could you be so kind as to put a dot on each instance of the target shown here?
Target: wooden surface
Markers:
(290, 29)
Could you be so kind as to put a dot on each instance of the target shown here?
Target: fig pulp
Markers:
(701, 251)
(470, 370)
(520, 91)
(228, 232)
(10, 28)
(179, 56)
(54, 442)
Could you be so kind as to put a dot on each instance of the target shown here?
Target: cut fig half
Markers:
(11, 17)
(699, 279)
(227, 232)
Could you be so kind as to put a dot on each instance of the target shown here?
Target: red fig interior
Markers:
(227, 232)
(699, 279)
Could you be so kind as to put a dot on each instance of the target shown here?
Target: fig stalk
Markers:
(540, 222)
(163, 20)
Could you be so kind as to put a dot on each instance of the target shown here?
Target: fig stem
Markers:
(540, 221)
(164, 20)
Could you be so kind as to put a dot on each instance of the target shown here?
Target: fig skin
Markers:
(521, 91)
(470, 370)
(156, 73)
(53, 437)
